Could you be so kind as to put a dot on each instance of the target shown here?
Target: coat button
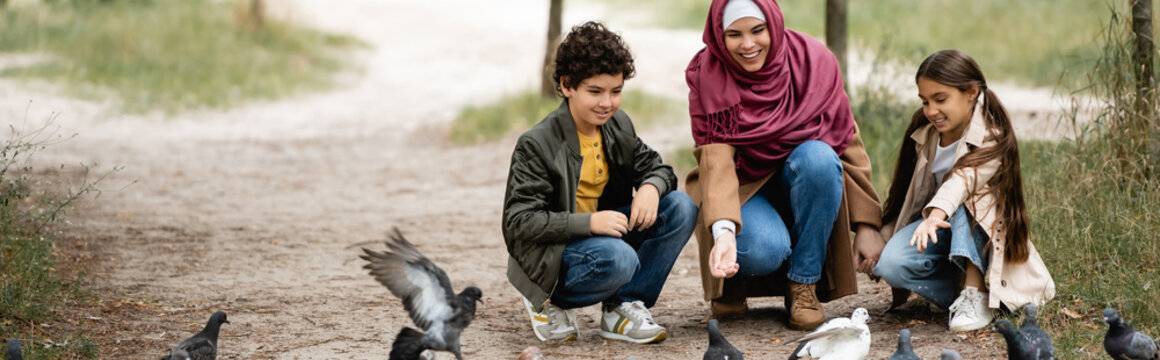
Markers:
(1003, 282)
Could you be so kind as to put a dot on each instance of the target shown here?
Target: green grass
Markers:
(1029, 42)
(519, 112)
(168, 55)
(32, 290)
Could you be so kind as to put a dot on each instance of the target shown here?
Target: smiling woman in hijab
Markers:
(782, 177)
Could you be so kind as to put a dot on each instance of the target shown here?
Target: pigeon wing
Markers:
(834, 340)
(198, 347)
(410, 276)
(1142, 347)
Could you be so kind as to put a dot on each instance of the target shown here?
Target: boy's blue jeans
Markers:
(811, 182)
(935, 273)
(616, 270)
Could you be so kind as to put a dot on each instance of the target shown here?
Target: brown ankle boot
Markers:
(805, 311)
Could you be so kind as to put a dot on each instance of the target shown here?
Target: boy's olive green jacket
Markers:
(539, 208)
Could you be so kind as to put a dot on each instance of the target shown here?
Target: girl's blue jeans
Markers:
(935, 273)
(617, 270)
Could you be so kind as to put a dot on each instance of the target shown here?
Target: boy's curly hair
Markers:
(590, 49)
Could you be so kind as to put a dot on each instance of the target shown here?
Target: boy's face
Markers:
(594, 100)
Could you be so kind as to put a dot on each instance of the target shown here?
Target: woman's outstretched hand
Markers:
(927, 229)
(723, 257)
(868, 246)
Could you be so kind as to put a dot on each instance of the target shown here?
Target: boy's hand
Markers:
(609, 223)
(644, 207)
(723, 257)
(927, 229)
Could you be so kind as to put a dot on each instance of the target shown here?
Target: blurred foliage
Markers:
(1041, 43)
(168, 54)
(519, 112)
(1094, 202)
(31, 288)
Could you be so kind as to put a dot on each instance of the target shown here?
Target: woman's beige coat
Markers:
(714, 187)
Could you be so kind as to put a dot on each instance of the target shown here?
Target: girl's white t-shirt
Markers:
(944, 159)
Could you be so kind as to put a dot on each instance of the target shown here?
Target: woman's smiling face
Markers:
(747, 41)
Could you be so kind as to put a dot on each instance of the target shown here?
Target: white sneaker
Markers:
(969, 311)
(631, 322)
(553, 323)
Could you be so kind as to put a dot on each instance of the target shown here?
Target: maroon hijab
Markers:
(797, 96)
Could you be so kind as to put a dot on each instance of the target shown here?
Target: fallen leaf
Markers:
(1070, 314)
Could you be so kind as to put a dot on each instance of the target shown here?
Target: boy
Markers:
(575, 233)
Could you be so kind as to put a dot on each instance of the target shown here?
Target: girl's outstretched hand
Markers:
(723, 257)
(927, 229)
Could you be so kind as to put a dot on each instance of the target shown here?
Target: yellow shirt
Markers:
(593, 173)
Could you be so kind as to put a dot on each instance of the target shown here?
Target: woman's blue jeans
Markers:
(936, 272)
(616, 270)
(810, 187)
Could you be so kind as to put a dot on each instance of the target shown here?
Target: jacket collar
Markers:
(564, 121)
(974, 135)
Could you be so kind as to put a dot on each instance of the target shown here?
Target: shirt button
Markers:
(599, 171)
(596, 143)
(598, 156)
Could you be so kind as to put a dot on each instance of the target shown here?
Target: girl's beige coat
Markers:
(1012, 284)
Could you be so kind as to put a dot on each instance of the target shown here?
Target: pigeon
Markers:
(14, 350)
(719, 348)
(531, 353)
(203, 345)
(1037, 339)
(179, 354)
(1122, 342)
(837, 339)
(410, 344)
(1023, 345)
(950, 355)
(905, 351)
(425, 291)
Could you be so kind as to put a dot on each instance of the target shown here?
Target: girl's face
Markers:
(946, 107)
(747, 41)
(594, 100)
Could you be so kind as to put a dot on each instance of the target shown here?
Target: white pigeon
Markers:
(837, 339)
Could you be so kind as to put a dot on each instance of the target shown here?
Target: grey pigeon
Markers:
(1124, 343)
(425, 291)
(410, 344)
(950, 355)
(203, 345)
(905, 351)
(1023, 345)
(1037, 339)
(179, 354)
(719, 348)
(14, 350)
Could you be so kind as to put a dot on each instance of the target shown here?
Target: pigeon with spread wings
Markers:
(425, 291)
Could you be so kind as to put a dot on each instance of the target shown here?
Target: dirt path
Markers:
(258, 211)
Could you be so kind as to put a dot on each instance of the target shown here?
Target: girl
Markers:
(958, 194)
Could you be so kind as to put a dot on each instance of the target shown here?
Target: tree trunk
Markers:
(555, 11)
(257, 13)
(1142, 132)
(836, 30)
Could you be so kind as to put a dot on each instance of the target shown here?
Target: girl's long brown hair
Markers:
(957, 69)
